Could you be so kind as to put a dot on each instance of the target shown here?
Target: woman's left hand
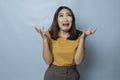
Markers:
(90, 31)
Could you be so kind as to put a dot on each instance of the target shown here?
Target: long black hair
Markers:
(54, 29)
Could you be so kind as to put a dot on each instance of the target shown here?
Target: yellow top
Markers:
(63, 50)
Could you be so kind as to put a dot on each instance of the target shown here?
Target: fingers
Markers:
(93, 31)
(90, 31)
(40, 30)
(43, 31)
(36, 28)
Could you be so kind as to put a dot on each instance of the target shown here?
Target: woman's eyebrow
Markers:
(60, 13)
(68, 12)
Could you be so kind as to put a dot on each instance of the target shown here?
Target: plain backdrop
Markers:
(21, 47)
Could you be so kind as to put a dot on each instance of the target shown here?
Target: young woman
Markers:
(63, 46)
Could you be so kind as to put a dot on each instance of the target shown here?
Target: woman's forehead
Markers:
(64, 10)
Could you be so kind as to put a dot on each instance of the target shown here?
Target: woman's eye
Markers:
(69, 15)
(60, 15)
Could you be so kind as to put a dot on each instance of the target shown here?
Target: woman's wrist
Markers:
(45, 40)
(83, 37)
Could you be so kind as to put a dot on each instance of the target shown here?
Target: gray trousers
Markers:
(61, 73)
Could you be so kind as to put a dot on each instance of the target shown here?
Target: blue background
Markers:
(21, 47)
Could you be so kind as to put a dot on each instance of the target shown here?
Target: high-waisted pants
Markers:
(61, 73)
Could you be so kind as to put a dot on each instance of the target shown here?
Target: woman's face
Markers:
(65, 20)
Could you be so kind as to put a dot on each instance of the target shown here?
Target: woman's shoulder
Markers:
(48, 34)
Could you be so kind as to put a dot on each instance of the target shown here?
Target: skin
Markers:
(64, 22)
(47, 55)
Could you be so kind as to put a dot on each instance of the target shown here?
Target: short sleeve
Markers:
(48, 35)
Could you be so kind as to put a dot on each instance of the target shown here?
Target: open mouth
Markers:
(65, 24)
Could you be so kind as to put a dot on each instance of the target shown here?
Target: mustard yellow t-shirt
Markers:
(63, 51)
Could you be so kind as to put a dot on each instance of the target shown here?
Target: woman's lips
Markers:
(65, 24)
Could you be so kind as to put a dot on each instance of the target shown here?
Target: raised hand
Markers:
(41, 31)
(90, 31)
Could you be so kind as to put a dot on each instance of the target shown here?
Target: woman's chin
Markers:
(65, 30)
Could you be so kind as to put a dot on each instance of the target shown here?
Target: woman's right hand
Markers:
(42, 32)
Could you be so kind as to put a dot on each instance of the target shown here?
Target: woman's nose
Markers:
(65, 18)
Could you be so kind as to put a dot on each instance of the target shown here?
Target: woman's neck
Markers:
(64, 34)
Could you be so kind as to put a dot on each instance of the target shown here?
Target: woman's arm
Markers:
(80, 52)
(47, 55)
